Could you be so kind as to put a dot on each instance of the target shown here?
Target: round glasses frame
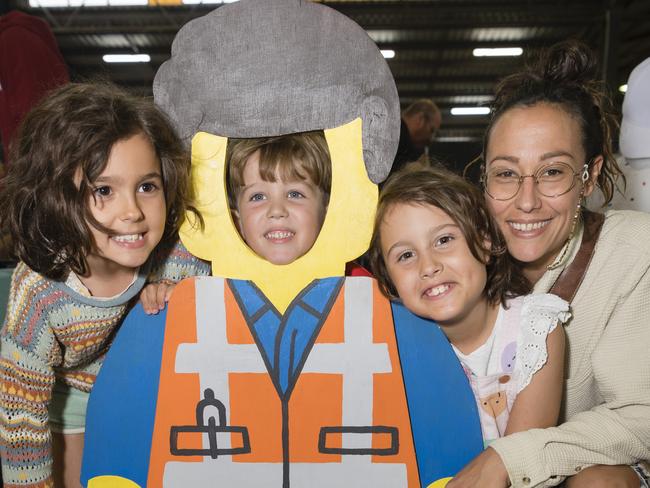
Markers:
(536, 176)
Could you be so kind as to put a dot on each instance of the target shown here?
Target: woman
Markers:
(546, 148)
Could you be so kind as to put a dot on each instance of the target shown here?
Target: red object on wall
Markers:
(30, 66)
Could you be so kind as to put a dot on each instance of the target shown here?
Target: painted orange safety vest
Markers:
(225, 417)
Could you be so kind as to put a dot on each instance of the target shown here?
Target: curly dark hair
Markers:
(566, 75)
(63, 145)
(465, 204)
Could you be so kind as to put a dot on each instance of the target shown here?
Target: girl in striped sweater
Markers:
(93, 200)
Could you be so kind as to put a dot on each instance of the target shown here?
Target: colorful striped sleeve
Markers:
(27, 348)
(173, 262)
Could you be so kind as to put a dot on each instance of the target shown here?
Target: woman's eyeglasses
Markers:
(551, 180)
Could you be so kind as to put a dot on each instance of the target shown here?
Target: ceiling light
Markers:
(388, 53)
(86, 3)
(126, 58)
(127, 2)
(48, 3)
(456, 139)
(206, 2)
(498, 51)
(622, 88)
(470, 110)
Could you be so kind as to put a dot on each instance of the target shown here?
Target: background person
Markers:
(548, 145)
(420, 122)
(30, 65)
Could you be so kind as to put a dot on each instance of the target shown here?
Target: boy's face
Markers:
(278, 220)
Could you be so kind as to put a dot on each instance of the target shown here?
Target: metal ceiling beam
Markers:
(611, 47)
(453, 13)
(370, 15)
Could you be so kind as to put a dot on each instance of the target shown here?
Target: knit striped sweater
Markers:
(52, 331)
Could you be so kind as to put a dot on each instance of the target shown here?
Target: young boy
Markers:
(278, 190)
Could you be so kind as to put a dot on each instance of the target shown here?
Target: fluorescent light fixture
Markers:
(497, 51)
(388, 53)
(126, 58)
(456, 139)
(86, 3)
(48, 3)
(206, 2)
(121, 3)
(623, 88)
(470, 110)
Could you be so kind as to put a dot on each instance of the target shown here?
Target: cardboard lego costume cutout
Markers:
(268, 375)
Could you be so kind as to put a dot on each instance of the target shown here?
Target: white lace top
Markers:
(504, 365)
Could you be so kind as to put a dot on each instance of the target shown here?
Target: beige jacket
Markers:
(605, 417)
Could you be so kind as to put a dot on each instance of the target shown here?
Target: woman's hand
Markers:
(486, 470)
(154, 296)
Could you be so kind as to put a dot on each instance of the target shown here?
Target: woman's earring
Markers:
(585, 173)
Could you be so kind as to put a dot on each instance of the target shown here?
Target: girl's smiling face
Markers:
(431, 266)
(129, 199)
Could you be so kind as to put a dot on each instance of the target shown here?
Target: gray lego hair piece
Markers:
(260, 68)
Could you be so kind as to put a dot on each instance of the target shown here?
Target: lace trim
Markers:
(540, 314)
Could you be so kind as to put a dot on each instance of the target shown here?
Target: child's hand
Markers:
(154, 296)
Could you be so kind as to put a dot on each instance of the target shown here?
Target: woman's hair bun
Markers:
(569, 61)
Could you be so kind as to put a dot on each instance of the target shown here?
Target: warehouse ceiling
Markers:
(433, 42)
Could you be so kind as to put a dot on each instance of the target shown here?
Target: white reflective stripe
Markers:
(357, 359)
(212, 357)
(223, 472)
(364, 359)
(214, 472)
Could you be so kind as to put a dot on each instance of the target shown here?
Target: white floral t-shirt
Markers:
(504, 365)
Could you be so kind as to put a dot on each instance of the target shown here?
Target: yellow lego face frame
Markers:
(345, 234)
